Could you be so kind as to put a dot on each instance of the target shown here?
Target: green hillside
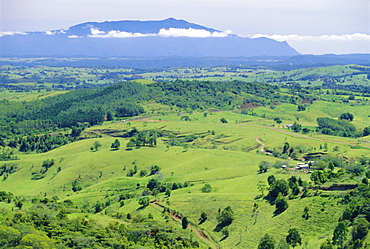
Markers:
(184, 164)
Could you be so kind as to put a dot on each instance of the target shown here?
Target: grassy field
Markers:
(71, 77)
(225, 155)
(229, 168)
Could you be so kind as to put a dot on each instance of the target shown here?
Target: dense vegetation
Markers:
(187, 163)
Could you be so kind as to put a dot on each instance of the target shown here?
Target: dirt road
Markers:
(199, 232)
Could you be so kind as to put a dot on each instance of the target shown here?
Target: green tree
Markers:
(281, 204)
(9, 237)
(131, 144)
(109, 116)
(280, 186)
(96, 145)
(203, 217)
(306, 213)
(366, 131)
(223, 120)
(144, 201)
(185, 118)
(267, 242)
(271, 180)
(263, 167)
(286, 148)
(293, 238)
(296, 127)
(116, 144)
(347, 116)
(184, 222)
(261, 187)
(207, 188)
(19, 204)
(226, 217)
(340, 234)
(360, 229)
(301, 108)
(154, 169)
(327, 245)
(37, 241)
(225, 232)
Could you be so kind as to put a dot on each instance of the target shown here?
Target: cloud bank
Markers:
(171, 32)
(3, 33)
(294, 37)
(190, 32)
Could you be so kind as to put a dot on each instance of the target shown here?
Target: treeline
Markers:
(207, 94)
(33, 125)
(46, 225)
(335, 127)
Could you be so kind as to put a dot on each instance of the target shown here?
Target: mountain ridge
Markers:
(169, 37)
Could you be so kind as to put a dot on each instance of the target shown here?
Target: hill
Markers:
(184, 164)
(168, 37)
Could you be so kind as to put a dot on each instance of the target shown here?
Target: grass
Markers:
(231, 172)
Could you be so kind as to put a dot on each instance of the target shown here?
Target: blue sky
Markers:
(310, 26)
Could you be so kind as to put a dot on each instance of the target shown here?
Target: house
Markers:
(302, 166)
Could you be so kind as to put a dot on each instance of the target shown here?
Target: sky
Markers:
(309, 26)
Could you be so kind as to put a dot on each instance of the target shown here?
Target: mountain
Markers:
(169, 37)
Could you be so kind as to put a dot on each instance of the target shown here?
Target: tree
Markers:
(96, 145)
(261, 187)
(223, 120)
(271, 180)
(225, 232)
(360, 229)
(319, 176)
(281, 186)
(278, 120)
(226, 217)
(203, 217)
(340, 234)
(296, 127)
(19, 204)
(267, 242)
(207, 188)
(306, 213)
(347, 116)
(185, 118)
(184, 223)
(366, 131)
(286, 148)
(39, 241)
(116, 144)
(327, 245)
(109, 116)
(144, 201)
(263, 167)
(154, 169)
(293, 238)
(131, 144)
(281, 204)
(301, 108)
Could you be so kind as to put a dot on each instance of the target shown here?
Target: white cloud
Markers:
(171, 32)
(96, 33)
(294, 37)
(190, 32)
(74, 36)
(50, 33)
(3, 33)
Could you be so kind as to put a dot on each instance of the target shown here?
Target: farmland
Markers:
(191, 152)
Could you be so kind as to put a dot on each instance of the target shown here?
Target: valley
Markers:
(184, 157)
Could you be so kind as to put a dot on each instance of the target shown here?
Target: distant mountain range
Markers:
(169, 37)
